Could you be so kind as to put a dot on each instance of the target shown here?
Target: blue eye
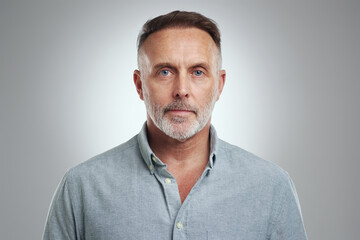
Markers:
(198, 73)
(165, 73)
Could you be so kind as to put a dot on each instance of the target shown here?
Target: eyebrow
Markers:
(202, 65)
(171, 66)
(163, 65)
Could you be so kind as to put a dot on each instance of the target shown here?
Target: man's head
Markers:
(179, 75)
(181, 20)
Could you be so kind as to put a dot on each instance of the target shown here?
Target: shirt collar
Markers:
(150, 158)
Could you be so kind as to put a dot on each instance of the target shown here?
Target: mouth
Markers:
(180, 111)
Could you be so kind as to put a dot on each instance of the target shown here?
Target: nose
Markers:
(181, 87)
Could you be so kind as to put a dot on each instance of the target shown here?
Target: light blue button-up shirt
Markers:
(127, 193)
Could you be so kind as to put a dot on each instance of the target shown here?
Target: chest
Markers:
(149, 210)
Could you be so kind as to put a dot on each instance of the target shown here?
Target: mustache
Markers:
(180, 105)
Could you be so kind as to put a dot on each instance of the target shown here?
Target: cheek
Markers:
(155, 95)
(204, 94)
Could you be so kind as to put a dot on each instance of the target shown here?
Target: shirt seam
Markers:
(73, 206)
(280, 211)
(58, 197)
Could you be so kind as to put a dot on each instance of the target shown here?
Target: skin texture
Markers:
(180, 83)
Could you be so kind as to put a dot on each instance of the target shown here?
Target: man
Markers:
(176, 179)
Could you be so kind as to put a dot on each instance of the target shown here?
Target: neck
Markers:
(193, 151)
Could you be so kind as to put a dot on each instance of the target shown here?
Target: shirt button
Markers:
(151, 167)
(179, 225)
(167, 180)
(154, 159)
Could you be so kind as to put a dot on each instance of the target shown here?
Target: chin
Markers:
(182, 131)
(177, 127)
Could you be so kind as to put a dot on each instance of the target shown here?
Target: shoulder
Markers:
(107, 162)
(260, 179)
(248, 165)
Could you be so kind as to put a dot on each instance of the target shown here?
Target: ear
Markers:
(222, 77)
(138, 84)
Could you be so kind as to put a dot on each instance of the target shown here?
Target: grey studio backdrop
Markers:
(291, 97)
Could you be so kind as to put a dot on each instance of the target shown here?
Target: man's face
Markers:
(179, 80)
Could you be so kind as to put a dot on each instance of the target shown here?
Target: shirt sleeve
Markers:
(60, 223)
(289, 222)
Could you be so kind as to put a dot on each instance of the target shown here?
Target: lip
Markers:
(180, 111)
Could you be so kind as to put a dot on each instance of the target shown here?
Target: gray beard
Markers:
(174, 126)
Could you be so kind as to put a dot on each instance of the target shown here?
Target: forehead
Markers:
(180, 45)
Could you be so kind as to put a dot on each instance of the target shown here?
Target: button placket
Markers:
(171, 192)
(180, 231)
(180, 223)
